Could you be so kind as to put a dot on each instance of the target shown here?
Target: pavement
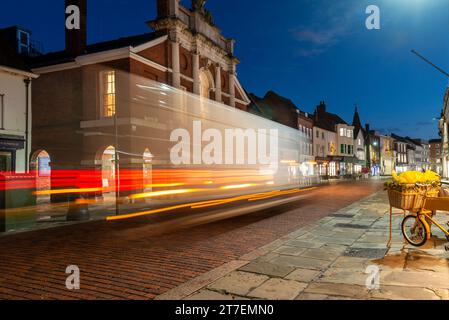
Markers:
(341, 256)
(142, 259)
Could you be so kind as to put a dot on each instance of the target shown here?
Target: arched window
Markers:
(108, 168)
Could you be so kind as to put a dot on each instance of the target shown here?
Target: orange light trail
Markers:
(203, 204)
(162, 193)
(238, 186)
(164, 185)
(64, 191)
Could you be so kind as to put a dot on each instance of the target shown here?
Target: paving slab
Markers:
(278, 289)
(351, 262)
(305, 244)
(302, 262)
(239, 283)
(338, 289)
(350, 276)
(303, 275)
(404, 293)
(311, 296)
(321, 254)
(268, 268)
(290, 251)
(213, 295)
(421, 279)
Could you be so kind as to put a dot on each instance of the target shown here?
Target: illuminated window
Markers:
(108, 94)
(342, 132)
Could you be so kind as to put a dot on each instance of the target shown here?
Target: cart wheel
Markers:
(414, 231)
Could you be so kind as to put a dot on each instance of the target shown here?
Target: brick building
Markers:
(84, 90)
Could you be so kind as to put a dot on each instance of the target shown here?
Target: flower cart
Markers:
(409, 191)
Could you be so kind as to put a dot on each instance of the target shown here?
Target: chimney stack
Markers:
(321, 108)
(76, 39)
(167, 8)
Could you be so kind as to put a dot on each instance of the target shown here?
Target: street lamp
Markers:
(443, 121)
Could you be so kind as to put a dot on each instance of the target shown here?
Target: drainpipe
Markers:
(27, 117)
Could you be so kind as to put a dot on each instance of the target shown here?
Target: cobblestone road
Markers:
(128, 260)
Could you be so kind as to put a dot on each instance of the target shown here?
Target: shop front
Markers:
(9, 148)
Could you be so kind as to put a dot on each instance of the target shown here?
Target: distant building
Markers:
(282, 110)
(359, 143)
(275, 107)
(325, 151)
(334, 143)
(422, 154)
(373, 151)
(307, 159)
(387, 155)
(15, 102)
(405, 153)
(435, 155)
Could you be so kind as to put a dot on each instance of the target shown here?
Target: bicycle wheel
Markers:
(414, 231)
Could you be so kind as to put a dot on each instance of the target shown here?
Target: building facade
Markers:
(16, 82)
(85, 93)
(422, 151)
(307, 159)
(444, 133)
(387, 163)
(373, 151)
(333, 141)
(435, 155)
(324, 150)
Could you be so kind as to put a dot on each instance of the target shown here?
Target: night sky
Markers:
(306, 50)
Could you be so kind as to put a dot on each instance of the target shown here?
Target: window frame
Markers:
(103, 94)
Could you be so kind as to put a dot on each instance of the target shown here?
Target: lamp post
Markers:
(443, 121)
(116, 166)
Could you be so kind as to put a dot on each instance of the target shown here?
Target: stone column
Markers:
(232, 86)
(176, 68)
(218, 83)
(196, 72)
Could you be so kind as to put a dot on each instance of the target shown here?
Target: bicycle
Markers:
(415, 227)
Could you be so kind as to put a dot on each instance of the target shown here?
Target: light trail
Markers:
(210, 203)
(238, 186)
(162, 193)
(64, 191)
(164, 185)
